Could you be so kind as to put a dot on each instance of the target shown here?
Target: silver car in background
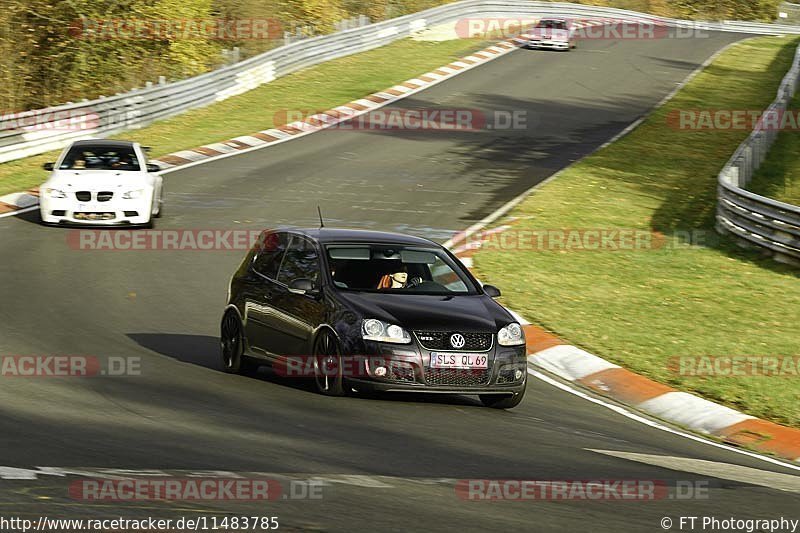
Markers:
(550, 33)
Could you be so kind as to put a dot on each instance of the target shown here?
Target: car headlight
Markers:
(55, 193)
(132, 195)
(511, 335)
(377, 330)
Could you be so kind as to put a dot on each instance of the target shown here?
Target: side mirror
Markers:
(491, 291)
(303, 286)
(49, 166)
(152, 167)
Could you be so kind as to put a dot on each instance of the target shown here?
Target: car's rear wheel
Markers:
(328, 374)
(497, 401)
(234, 361)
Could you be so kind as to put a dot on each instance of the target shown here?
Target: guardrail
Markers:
(757, 221)
(140, 107)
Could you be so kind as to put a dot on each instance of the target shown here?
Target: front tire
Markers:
(328, 375)
(233, 359)
(502, 402)
(159, 205)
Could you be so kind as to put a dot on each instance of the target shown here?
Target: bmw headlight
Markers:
(55, 193)
(132, 195)
(511, 335)
(377, 330)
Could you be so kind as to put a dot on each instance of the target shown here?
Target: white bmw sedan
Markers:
(102, 182)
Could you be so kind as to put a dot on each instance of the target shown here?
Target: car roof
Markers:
(103, 142)
(546, 19)
(342, 235)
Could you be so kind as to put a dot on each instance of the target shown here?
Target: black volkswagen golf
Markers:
(370, 311)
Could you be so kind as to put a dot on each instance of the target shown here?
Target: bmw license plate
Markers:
(459, 360)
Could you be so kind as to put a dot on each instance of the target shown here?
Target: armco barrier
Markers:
(754, 220)
(140, 107)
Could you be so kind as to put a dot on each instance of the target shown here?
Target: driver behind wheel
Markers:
(396, 280)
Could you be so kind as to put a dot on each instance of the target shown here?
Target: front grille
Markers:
(440, 340)
(403, 372)
(458, 377)
(83, 196)
(94, 216)
(104, 196)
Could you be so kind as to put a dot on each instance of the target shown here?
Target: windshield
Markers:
(553, 25)
(396, 269)
(101, 157)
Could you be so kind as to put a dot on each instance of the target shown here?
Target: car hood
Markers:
(422, 312)
(79, 180)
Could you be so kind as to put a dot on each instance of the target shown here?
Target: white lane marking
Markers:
(355, 480)
(19, 211)
(570, 362)
(653, 424)
(733, 472)
(693, 412)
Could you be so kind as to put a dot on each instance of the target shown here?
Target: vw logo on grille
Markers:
(457, 341)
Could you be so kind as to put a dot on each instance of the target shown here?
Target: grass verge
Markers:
(779, 176)
(317, 88)
(695, 295)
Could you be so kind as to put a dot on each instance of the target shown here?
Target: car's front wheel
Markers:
(234, 361)
(328, 374)
(497, 401)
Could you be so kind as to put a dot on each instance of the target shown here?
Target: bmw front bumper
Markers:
(551, 45)
(115, 212)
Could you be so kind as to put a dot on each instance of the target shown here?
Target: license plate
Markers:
(459, 360)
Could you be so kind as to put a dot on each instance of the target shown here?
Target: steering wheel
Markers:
(413, 282)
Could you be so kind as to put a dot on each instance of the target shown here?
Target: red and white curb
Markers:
(579, 367)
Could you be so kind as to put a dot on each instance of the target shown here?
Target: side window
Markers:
(301, 261)
(271, 248)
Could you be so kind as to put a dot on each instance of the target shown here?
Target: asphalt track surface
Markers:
(183, 414)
